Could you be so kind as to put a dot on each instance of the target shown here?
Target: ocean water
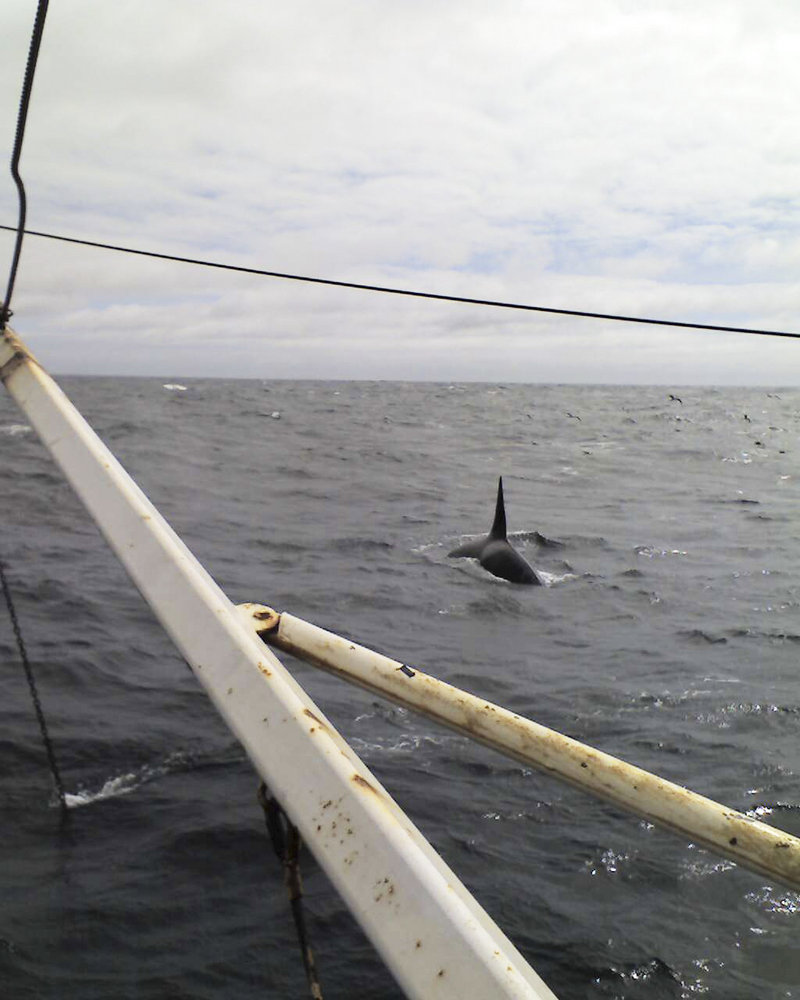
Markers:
(668, 633)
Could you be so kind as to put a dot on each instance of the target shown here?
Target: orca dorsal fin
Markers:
(499, 524)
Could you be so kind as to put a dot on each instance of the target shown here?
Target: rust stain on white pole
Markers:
(436, 939)
(749, 842)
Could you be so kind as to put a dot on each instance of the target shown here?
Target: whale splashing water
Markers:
(495, 553)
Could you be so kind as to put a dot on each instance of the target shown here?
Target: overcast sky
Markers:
(621, 156)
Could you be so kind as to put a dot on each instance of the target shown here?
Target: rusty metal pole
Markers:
(748, 842)
(435, 938)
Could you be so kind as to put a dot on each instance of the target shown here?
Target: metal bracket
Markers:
(267, 619)
(13, 353)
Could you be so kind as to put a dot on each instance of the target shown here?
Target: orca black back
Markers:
(494, 552)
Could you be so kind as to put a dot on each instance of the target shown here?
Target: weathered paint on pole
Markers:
(437, 941)
(749, 842)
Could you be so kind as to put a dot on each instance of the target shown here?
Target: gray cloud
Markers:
(615, 157)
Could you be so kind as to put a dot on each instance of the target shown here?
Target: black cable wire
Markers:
(22, 117)
(26, 666)
(499, 304)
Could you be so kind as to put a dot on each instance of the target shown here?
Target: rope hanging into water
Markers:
(26, 665)
(461, 299)
(286, 842)
(22, 117)
(5, 315)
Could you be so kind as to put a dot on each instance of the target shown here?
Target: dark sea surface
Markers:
(668, 634)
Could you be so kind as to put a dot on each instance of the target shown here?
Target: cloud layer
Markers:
(612, 156)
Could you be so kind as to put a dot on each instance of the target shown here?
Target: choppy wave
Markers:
(537, 538)
(654, 552)
(700, 635)
(344, 518)
(126, 783)
(779, 901)
(403, 743)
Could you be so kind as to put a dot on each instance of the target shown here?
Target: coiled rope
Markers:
(286, 843)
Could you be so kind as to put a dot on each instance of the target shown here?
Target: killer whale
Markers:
(494, 552)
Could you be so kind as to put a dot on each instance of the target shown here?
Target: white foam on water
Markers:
(123, 784)
(552, 579)
(405, 743)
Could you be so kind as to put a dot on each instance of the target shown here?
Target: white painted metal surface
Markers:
(752, 844)
(434, 937)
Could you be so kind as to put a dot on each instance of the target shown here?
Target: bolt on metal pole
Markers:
(435, 938)
(749, 842)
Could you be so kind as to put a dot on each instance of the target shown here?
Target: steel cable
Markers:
(465, 300)
(22, 117)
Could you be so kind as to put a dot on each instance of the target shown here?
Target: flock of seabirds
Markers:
(494, 551)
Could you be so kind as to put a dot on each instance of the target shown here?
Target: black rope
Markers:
(27, 87)
(286, 844)
(465, 300)
(34, 693)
